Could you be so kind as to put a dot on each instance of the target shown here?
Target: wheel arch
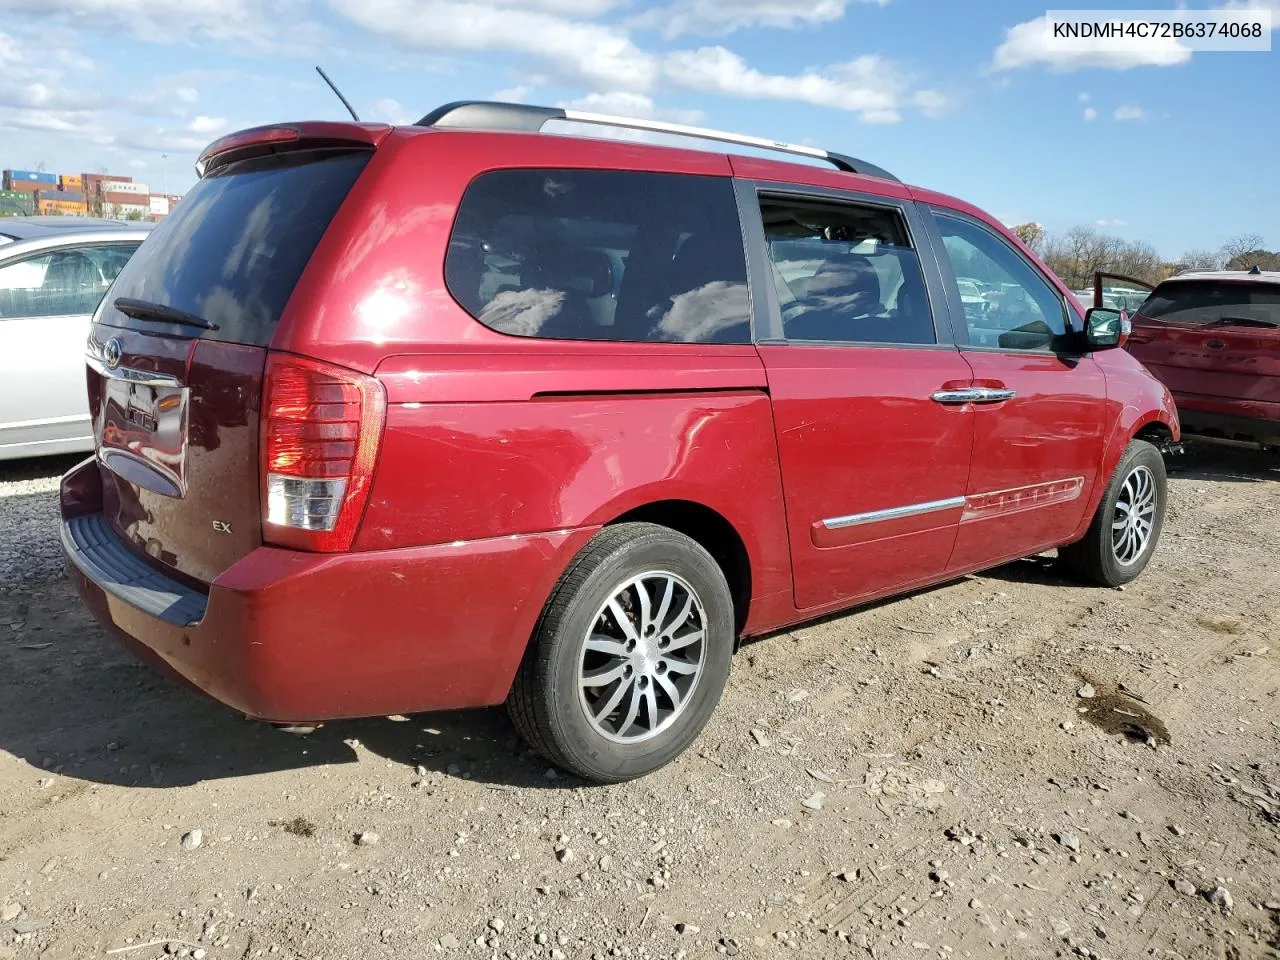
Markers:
(714, 532)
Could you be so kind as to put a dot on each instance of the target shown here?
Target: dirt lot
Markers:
(918, 779)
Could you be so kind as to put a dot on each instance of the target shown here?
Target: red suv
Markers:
(1214, 339)
(405, 419)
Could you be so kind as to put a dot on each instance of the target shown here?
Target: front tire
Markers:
(630, 656)
(1127, 524)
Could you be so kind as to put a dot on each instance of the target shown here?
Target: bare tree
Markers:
(1262, 259)
(1078, 254)
(1240, 245)
(1199, 260)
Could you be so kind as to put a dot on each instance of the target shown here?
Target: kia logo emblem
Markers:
(111, 353)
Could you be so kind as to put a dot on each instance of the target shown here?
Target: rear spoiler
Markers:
(280, 138)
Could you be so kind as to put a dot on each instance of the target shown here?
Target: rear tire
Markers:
(1127, 524)
(629, 657)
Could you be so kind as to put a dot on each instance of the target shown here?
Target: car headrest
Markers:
(846, 277)
(587, 273)
(702, 259)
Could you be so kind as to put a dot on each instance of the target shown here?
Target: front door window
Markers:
(1007, 304)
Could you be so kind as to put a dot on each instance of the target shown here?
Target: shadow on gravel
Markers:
(38, 468)
(1204, 461)
(75, 703)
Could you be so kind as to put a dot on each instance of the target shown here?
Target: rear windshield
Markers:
(232, 251)
(1211, 301)
(602, 255)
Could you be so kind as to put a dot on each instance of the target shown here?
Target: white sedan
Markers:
(53, 273)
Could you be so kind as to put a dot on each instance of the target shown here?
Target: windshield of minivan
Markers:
(1212, 301)
(233, 250)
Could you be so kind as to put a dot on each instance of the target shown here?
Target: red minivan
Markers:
(405, 419)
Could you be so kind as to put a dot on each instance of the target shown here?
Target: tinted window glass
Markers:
(601, 255)
(1006, 301)
(233, 250)
(1214, 301)
(846, 273)
(68, 281)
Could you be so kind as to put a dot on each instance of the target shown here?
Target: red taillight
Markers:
(321, 428)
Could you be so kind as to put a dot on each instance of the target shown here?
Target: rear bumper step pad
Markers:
(95, 549)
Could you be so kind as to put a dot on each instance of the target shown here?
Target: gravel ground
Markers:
(29, 554)
(1007, 766)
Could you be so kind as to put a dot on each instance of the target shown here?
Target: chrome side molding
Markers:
(894, 513)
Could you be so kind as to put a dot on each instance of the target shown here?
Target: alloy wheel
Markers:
(642, 657)
(1134, 518)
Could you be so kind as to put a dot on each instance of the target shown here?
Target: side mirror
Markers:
(1106, 329)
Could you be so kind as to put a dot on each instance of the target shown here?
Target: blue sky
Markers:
(1178, 150)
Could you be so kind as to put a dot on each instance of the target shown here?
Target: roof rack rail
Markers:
(489, 115)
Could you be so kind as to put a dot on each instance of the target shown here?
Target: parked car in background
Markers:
(1214, 339)
(560, 422)
(53, 273)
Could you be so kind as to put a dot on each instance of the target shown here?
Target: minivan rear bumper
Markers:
(294, 637)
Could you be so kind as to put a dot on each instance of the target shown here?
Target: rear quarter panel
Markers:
(495, 446)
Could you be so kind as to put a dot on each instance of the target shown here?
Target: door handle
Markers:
(974, 395)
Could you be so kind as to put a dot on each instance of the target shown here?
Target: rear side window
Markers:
(846, 273)
(1214, 301)
(233, 250)
(601, 255)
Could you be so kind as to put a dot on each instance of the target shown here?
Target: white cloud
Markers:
(567, 8)
(165, 21)
(720, 17)
(1090, 114)
(520, 93)
(869, 86)
(1030, 44)
(595, 53)
(10, 52)
(137, 164)
(207, 126)
(1105, 224)
(391, 111)
(626, 104)
(1272, 5)
(187, 94)
(1129, 112)
(1084, 98)
(931, 102)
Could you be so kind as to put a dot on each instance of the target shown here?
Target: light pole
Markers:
(165, 158)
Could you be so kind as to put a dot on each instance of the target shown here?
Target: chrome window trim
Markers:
(894, 513)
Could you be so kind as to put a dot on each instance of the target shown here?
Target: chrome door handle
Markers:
(974, 395)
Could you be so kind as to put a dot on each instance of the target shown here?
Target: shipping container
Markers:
(126, 186)
(159, 204)
(126, 211)
(25, 186)
(29, 176)
(16, 203)
(73, 196)
(71, 181)
(63, 207)
(128, 199)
